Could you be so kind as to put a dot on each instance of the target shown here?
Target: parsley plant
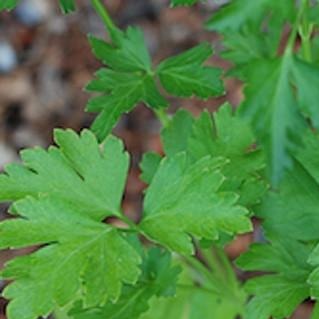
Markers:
(220, 172)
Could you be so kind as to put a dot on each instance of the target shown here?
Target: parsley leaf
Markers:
(130, 78)
(127, 82)
(77, 184)
(294, 208)
(225, 134)
(91, 257)
(184, 199)
(195, 300)
(90, 179)
(234, 15)
(271, 107)
(184, 76)
(221, 134)
(158, 279)
(277, 295)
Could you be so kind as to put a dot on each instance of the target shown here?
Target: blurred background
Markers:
(45, 61)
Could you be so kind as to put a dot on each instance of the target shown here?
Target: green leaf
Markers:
(223, 134)
(236, 14)
(184, 200)
(130, 79)
(193, 301)
(249, 44)
(184, 75)
(158, 279)
(149, 166)
(294, 208)
(8, 4)
(306, 79)
(67, 6)
(129, 91)
(79, 173)
(227, 135)
(278, 294)
(127, 82)
(176, 135)
(126, 53)
(271, 107)
(176, 3)
(82, 258)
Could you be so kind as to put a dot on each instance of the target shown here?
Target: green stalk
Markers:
(61, 314)
(221, 266)
(305, 31)
(298, 22)
(163, 117)
(315, 311)
(132, 226)
(103, 13)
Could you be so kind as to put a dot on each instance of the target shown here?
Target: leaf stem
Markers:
(298, 22)
(103, 13)
(305, 31)
(221, 266)
(315, 311)
(202, 270)
(163, 117)
(129, 222)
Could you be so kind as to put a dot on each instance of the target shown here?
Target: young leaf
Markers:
(158, 279)
(184, 200)
(184, 75)
(82, 258)
(131, 80)
(277, 295)
(127, 82)
(79, 173)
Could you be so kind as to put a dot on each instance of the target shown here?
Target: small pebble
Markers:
(32, 12)
(8, 57)
(7, 155)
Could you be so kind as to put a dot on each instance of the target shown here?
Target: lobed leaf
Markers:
(61, 196)
(184, 76)
(130, 78)
(82, 258)
(158, 279)
(78, 172)
(277, 294)
(235, 15)
(221, 134)
(184, 200)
